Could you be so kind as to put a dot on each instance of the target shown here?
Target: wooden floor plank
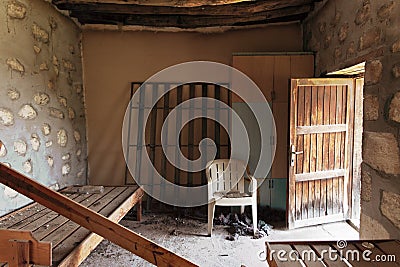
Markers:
(308, 255)
(354, 262)
(390, 247)
(69, 227)
(47, 218)
(37, 216)
(61, 251)
(18, 217)
(289, 262)
(59, 221)
(376, 252)
(328, 262)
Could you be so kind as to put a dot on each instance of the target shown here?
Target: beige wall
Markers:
(41, 85)
(113, 59)
(344, 33)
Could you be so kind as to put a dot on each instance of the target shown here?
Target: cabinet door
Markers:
(278, 193)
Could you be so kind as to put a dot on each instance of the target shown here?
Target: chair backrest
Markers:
(225, 175)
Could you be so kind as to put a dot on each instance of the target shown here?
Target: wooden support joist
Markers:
(20, 248)
(185, 21)
(93, 221)
(240, 9)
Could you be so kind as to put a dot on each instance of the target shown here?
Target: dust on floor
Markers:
(186, 237)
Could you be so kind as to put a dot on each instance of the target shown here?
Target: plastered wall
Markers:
(42, 119)
(114, 59)
(344, 33)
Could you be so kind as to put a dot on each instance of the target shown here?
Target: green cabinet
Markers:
(272, 192)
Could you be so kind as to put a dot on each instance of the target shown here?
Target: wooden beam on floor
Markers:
(93, 221)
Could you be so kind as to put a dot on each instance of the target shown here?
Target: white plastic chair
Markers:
(226, 187)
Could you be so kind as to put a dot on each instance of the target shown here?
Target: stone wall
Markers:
(343, 33)
(42, 118)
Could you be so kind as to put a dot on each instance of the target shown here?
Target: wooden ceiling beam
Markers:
(238, 9)
(187, 21)
(172, 3)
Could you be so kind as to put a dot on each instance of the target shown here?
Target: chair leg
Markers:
(254, 213)
(211, 210)
(241, 209)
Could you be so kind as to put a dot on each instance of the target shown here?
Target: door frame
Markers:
(347, 202)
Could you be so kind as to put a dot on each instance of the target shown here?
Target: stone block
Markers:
(37, 49)
(35, 142)
(16, 10)
(394, 108)
(6, 117)
(40, 34)
(16, 65)
(385, 11)
(55, 60)
(390, 207)
(71, 113)
(27, 166)
(50, 161)
(56, 113)
(363, 13)
(10, 193)
(366, 186)
(41, 99)
(66, 169)
(13, 94)
(20, 147)
(43, 66)
(77, 136)
(46, 129)
(62, 101)
(68, 65)
(371, 107)
(372, 229)
(395, 46)
(27, 112)
(396, 70)
(343, 32)
(373, 72)
(369, 39)
(66, 156)
(381, 152)
(3, 150)
(62, 138)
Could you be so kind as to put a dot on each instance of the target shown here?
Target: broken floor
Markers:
(187, 237)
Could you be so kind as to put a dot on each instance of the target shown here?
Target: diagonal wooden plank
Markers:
(91, 220)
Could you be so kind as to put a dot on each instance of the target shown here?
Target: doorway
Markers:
(325, 148)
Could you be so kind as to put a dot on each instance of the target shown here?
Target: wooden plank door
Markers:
(321, 139)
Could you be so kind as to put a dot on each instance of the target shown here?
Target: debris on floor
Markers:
(242, 226)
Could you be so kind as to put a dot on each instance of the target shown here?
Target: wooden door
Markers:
(321, 138)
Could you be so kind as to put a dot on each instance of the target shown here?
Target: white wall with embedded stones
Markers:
(42, 117)
(342, 34)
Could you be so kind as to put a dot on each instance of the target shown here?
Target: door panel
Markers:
(321, 126)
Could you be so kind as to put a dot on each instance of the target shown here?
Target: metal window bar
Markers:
(206, 91)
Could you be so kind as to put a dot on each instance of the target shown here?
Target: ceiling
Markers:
(183, 14)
